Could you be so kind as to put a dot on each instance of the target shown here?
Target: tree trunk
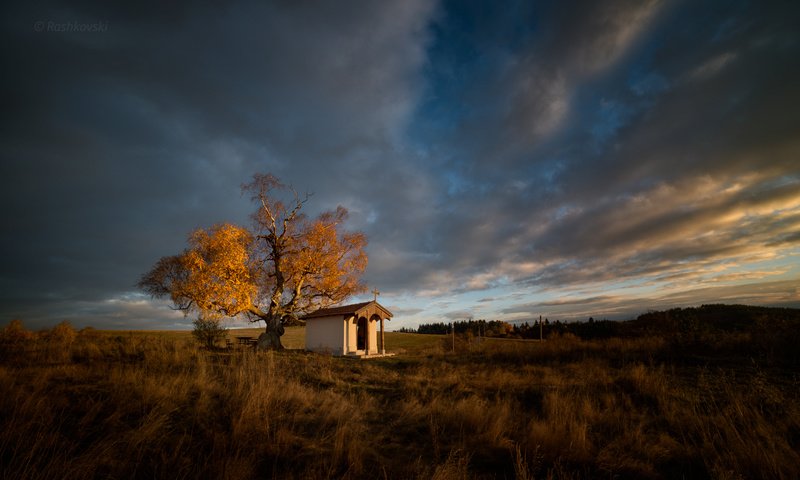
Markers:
(271, 338)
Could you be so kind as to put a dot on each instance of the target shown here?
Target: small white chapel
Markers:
(355, 329)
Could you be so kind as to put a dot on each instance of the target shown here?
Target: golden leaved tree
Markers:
(287, 265)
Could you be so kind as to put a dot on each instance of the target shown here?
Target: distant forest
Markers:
(707, 319)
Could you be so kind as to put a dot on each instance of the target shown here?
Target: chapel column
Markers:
(383, 340)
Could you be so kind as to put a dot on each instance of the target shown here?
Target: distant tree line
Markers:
(487, 328)
(706, 319)
(501, 329)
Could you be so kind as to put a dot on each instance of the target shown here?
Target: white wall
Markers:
(325, 334)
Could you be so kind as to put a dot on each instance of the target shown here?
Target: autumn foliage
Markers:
(284, 266)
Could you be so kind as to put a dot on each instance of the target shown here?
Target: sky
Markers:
(505, 159)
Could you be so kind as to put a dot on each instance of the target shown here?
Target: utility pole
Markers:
(453, 327)
(541, 329)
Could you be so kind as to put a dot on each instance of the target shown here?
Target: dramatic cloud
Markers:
(569, 159)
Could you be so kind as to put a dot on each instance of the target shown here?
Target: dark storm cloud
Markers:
(117, 143)
(518, 90)
(539, 148)
(658, 140)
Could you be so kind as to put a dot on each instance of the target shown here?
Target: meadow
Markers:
(99, 404)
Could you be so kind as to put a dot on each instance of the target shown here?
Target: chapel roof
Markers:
(353, 309)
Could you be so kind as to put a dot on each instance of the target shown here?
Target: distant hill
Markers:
(703, 320)
(714, 318)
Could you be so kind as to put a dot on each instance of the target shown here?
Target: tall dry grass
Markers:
(96, 404)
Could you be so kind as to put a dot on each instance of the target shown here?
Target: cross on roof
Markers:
(376, 293)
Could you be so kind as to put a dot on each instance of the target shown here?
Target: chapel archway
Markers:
(361, 334)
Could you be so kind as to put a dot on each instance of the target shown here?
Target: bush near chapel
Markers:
(208, 331)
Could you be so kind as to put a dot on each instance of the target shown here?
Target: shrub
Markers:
(63, 333)
(16, 333)
(208, 331)
(88, 332)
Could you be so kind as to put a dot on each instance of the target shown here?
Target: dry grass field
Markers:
(94, 404)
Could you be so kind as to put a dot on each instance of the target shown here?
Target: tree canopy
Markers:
(285, 265)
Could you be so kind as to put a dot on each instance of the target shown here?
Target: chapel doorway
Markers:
(361, 334)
